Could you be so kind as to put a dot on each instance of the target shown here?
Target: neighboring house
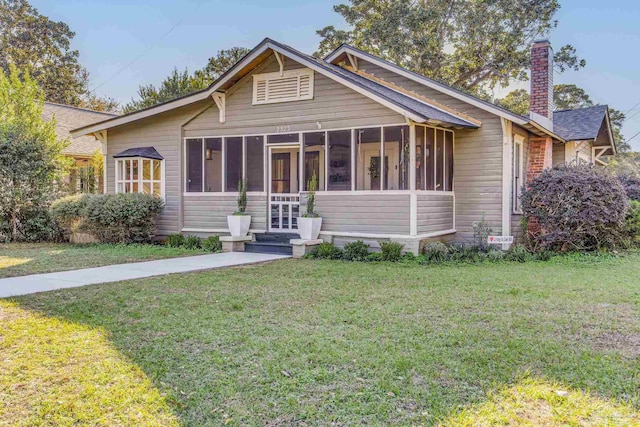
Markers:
(398, 156)
(81, 148)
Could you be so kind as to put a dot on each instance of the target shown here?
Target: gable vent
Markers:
(293, 85)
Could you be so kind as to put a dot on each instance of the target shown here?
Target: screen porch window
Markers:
(291, 85)
(434, 159)
(139, 175)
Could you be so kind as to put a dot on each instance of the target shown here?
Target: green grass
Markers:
(336, 343)
(19, 259)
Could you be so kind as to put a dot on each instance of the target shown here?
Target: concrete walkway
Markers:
(24, 285)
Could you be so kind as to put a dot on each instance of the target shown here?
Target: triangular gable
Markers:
(410, 108)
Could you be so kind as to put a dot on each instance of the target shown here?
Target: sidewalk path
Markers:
(23, 285)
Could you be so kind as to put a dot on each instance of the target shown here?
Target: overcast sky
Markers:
(110, 34)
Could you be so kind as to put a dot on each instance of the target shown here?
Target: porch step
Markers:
(271, 243)
(275, 237)
(269, 248)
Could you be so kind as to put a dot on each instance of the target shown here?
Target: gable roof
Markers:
(523, 121)
(412, 108)
(69, 118)
(579, 124)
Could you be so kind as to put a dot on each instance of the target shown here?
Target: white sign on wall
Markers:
(499, 240)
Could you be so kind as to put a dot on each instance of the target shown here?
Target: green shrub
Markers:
(175, 240)
(462, 253)
(122, 218)
(495, 255)
(374, 257)
(517, 253)
(632, 222)
(39, 226)
(192, 242)
(68, 212)
(212, 244)
(435, 252)
(391, 251)
(356, 251)
(328, 251)
(481, 232)
(543, 255)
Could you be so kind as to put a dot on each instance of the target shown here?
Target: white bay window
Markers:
(139, 175)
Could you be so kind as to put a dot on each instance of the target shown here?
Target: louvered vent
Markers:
(294, 85)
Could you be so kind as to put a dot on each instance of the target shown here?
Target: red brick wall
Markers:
(540, 157)
(541, 100)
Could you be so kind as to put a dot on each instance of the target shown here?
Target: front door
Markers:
(284, 197)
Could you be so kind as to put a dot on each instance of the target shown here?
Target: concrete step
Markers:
(269, 248)
(275, 237)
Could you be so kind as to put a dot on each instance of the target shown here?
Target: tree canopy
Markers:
(181, 83)
(473, 45)
(35, 44)
(566, 97)
(30, 153)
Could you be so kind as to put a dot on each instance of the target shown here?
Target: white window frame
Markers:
(140, 181)
(518, 171)
(278, 75)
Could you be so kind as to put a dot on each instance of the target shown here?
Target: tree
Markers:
(472, 45)
(566, 97)
(178, 84)
(41, 47)
(30, 153)
(182, 83)
(97, 103)
(220, 63)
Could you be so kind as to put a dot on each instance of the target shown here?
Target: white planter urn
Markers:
(238, 225)
(309, 228)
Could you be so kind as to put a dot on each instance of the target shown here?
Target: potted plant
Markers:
(240, 221)
(310, 222)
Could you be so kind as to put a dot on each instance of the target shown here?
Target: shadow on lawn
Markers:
(293, 353)
(55, 372)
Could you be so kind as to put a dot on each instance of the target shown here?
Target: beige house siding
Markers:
(334, 106)
(377, 213)
(477, 158)
(210, 212)
(558, 154)
(434, 213)
(164, 133)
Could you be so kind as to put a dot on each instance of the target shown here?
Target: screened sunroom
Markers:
(372, 181)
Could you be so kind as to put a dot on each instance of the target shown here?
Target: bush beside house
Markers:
(576, 208)
(111, 218)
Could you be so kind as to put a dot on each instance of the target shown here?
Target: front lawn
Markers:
(333, 343)
(19, 259)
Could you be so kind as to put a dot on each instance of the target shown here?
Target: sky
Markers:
(128, 43)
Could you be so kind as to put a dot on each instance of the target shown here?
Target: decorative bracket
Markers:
(597, 153)
(280, 60)
(220, 100)
(102, 137)
(353, 61)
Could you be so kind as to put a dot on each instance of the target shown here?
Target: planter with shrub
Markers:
(240, 222)
(310, 223)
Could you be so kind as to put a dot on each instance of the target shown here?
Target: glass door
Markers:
(284, 197)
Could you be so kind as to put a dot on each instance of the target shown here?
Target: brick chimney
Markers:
(540, 156)
(541, 98)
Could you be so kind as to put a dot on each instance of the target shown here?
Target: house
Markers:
(398, 156)
(81, 148)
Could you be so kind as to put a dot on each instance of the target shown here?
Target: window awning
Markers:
(144, 152)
